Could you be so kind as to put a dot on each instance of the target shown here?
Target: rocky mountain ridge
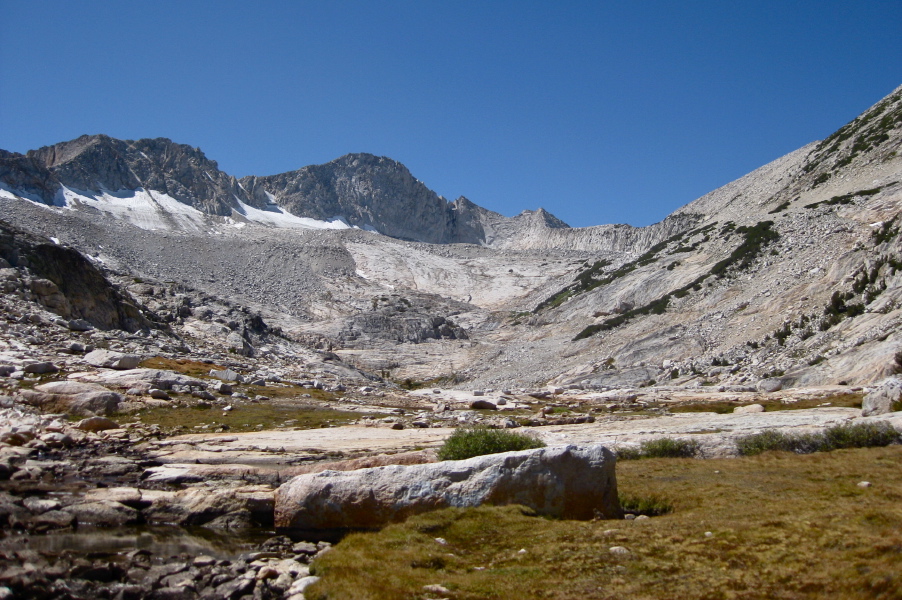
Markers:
(360, 190)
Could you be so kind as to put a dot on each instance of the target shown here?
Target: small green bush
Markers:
(652, 506)
(860, 435)
(853, 435)
(467, 442)
(660, 448)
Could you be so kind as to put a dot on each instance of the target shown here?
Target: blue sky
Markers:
(600, 112)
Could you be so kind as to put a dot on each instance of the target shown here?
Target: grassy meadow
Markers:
(774, 525)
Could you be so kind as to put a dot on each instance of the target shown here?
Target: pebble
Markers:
(864, 484)
(618, 550)
(436, 588)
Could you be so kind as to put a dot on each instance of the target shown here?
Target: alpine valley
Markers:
(286, 354)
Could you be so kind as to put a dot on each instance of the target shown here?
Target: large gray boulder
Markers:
(771, 384)
(570, 482)
(73, 398)
(880, 400)
(112, 360)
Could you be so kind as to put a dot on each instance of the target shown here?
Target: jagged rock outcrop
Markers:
(99, 163)
(370, 192)
(67, 282)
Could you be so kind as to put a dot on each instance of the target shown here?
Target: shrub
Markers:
(467, 442)
(860, 435)
(660, 448)
(669, 448)
(766, 441)
(853, 435)
(652, 506)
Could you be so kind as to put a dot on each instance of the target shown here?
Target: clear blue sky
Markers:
(599, 111)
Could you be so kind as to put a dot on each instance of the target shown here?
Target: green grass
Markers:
(853, 435)
(467, 442)
(781, 525)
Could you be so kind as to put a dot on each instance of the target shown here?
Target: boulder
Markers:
(216, 508)
(79, 325)
(103, 513)
(73, 398)
(95, 424)
(227, 375)
(482, 405)
(40, 368)
(880, 400)
(570, 482)
(751, 408)
(771, 384)
(112, 360)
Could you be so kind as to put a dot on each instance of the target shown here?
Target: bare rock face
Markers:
(880, 401)
(570, 482)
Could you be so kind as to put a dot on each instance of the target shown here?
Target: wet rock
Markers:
(235, 508)
(234, 589)
(57, 440)
(52, 519)
(564, 481)
(103, 514)
(40, 505)
(128, 496)
(40, 368)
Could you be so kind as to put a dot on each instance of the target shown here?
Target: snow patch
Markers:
(142, 208)
(275, 216)
(5, 192)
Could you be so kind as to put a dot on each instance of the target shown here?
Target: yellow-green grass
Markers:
(247, 416)
(781, 526)
(185, 366)
(849, 400)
